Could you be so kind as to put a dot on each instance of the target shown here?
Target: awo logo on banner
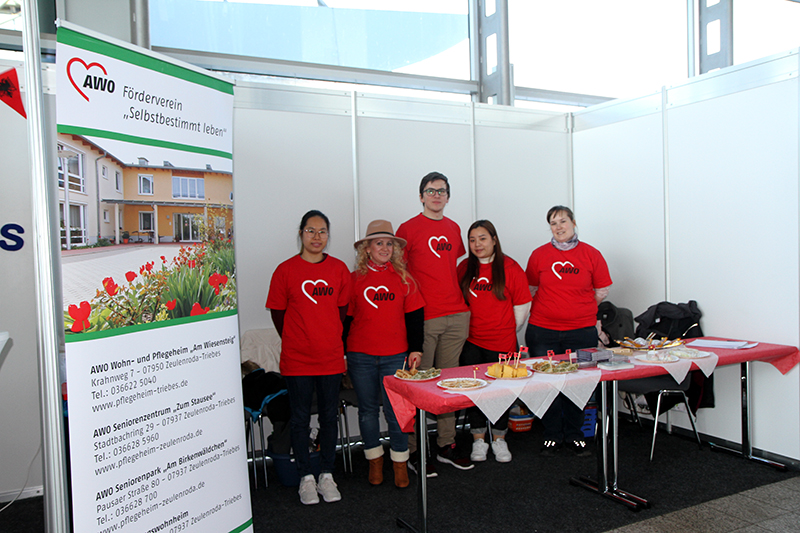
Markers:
(78, 69)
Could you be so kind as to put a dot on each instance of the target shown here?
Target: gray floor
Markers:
(774, 507)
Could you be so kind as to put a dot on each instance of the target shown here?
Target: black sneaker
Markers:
(579, 448)
(452, 456)
(549, 448)
(413, 465)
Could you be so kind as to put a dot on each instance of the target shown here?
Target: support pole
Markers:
(56, 505)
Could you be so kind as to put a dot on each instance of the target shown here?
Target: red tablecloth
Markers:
(408, 396)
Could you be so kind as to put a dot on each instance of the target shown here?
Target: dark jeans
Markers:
(475, 355)
(301, 392)
(367, 373)
(563, 420)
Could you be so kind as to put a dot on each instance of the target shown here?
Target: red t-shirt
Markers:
(566, 281)
(311, 294)
(378, 306)
(432, 250)
(491, 324)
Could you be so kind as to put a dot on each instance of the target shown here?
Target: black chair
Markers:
(664, 386)
(253, 417)
(347, 398)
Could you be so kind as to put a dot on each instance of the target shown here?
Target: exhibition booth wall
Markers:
(690, 193)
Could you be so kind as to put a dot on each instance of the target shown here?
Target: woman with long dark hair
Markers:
(496, 291)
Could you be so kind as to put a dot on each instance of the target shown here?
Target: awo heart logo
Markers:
(439, 245)
(479, 280)
(376, 289)
(561, 264)
(88, 77)
(315, 291)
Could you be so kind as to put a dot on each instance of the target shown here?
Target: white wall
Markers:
(285, 165)
(19, 378)
(717, 223)
(619, 196)
(734, 175)
(295, 151)
(522, 163)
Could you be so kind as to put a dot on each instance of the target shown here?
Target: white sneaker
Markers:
(479, 449)
(327, 487)
(500, 451)
(308, 490)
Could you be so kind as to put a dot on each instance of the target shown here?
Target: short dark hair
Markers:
(433, 176)
(558, 209)
(310, 214)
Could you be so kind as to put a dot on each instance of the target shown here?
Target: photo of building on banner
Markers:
(153, 383)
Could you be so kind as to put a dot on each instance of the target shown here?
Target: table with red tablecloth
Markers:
(410, 398)
(407, 395)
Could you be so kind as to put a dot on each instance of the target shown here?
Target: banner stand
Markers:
(56, 504)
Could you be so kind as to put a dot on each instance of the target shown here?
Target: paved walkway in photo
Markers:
(83, 271)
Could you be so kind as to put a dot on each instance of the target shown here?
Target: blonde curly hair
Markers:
(398, 261)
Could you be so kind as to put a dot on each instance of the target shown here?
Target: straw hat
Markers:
(380, 228)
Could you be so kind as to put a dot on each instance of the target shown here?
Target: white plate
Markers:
(688, 353)
(667, 358)
(550, 373)
(530, 373)
(417, 379)
(480, 384)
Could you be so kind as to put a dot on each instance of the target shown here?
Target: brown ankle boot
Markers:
(400, 474)
(376, 471)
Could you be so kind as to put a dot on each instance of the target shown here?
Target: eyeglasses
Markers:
(312, 232)
(434, 192)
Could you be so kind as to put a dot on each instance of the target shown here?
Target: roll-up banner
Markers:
(153, 385)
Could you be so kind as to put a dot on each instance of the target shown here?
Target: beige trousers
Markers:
(441, 348)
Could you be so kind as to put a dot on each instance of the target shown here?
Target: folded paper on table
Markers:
(711, 343)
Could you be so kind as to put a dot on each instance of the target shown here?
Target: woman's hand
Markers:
(414, 359)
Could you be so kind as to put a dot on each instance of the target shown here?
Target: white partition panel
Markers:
(733, 227)
(722, 189)
(619, 197)
(522, 162)
(286, 163)
(399, 142)
(20, 424)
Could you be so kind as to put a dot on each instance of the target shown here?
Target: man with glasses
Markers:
(434, 246)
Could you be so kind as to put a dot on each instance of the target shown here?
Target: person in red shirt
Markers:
(495, 288)
(384, 325)
(434, 246)
(567, 280)
(308, 298)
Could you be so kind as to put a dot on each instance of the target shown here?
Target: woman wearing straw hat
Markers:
(383, 327)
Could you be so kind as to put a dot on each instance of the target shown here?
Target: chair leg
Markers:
(341, 437)
(655, 423)
(263, 450)
(253, 448)
(347, 435)
(344, 432)
(691, 419)
(630, 404)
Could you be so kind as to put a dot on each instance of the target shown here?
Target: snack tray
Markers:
(480, 383)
